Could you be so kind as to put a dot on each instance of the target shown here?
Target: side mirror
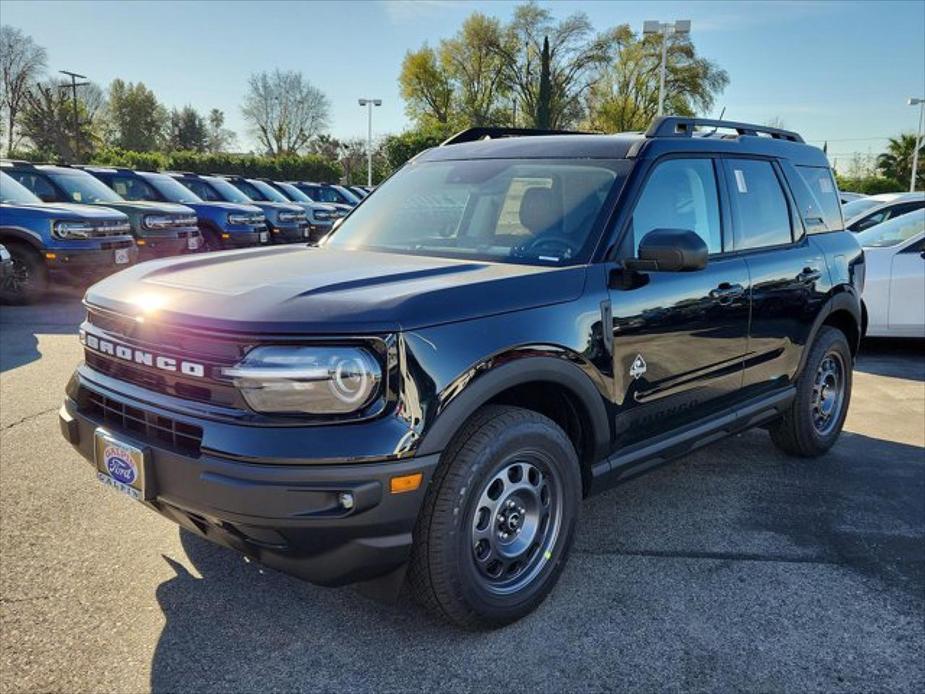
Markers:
(670, 250)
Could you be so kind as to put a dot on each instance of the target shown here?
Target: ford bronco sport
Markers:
(52, 243)
(160, 228)
(507, 325)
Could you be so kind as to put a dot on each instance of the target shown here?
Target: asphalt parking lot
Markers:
(734, 568)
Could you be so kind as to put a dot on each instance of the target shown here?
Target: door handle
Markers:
(726, 292)
(809, 275)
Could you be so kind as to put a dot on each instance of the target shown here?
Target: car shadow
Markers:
(896, 358)
(59, 313)
(861, 509)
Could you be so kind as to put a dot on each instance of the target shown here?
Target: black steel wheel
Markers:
(498, 519)
(27, 281)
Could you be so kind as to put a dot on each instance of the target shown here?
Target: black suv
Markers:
(507, 325)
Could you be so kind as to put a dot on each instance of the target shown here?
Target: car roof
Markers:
(898, 197)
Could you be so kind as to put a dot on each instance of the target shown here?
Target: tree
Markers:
(896, 162)
(22, 62)
(551, 83)
(285, 111)
(137, 121)
(326, 146)
(218, 137)
(626, 98)
(397, 149)
(426, 87)
(47, 121)
(475, 71)
(187, 130)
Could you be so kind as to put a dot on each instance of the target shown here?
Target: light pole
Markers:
(653, 26)
(369, 103)
(918, 141)
(74, 84)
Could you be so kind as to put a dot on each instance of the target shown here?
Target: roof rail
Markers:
(16, 162)
(474, 134)
(683, 126)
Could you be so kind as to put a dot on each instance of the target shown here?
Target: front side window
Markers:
(519, 211)
(761, 216)
(82, 187)
(893, 232)
(680, 194)
(36, 184)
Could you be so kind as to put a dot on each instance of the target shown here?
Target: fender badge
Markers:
(638, 367)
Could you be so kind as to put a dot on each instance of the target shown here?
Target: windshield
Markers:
(171, 188)
(893, 232)
(294, 193)
(519, 211)
(268, 192)
(856, 207)
(14, 192)
(348, 194)
(228, 192)
(83, 187)
(248, 189)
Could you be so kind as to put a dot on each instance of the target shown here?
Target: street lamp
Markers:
(918, 140)
(653, 26)
(369, 103)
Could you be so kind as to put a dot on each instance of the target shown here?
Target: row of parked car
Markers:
(68, 223)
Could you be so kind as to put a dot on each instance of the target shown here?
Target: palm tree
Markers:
(896, 162)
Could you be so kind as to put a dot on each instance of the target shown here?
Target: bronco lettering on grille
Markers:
(141, 357)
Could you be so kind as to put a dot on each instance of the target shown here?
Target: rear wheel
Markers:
(28, 280)
(815, 418)
(498, 521)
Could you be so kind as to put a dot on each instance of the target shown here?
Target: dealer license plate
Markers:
(122, 256)
(264, 236)
(120, 465)
(192, 243)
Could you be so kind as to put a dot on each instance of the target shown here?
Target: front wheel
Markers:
(28, 278)
(498, 521)
(815, 418)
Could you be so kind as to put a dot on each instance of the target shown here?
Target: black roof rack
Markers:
(683, 126)
(473, 134)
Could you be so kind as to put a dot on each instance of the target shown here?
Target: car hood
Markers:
(223, 206)
(275, 207)
(149, 207)
(68, 210)
(308, 290)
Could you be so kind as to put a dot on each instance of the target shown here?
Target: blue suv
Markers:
(287, 222)
(57, 242)
(321, 217)
(223, 224)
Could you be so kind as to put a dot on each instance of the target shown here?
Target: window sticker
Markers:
(740, 181)
(825, 184)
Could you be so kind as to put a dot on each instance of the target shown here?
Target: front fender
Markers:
(523, 365)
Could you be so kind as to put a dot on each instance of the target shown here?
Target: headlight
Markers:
(72, 230)
(158, 221)
(308, 380)
(291, 217)
(322, 214)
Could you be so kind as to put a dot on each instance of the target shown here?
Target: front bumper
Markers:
(252, 236)
(88, 263)
(164, 246)
(289, 234)
(286, 516)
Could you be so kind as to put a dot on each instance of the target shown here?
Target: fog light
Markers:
(346, 500)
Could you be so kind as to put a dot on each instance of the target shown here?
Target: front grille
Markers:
(114, 228)
(141, 424)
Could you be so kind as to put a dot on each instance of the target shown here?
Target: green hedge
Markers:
(309, 167)
(870, 185)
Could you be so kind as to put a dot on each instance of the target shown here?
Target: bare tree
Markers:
(284, 111)
(22, 62)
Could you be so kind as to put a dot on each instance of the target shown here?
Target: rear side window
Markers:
(761, 216)
(680, 194)
(825, 200)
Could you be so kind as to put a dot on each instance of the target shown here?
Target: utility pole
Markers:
(74, 84)
(918, 141)
(652, 26)
(369, 103)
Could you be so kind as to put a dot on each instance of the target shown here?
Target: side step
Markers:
(634, 460)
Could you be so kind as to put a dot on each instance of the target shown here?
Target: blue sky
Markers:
(836, 71)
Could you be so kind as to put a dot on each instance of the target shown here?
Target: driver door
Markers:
(679, 338)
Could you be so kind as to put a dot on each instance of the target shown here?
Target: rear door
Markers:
(785, 269)
(907, 291)
(679, 338)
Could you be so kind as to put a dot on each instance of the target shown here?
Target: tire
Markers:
(811, 424)
(28, 281)
(529, 464)
(211, 241)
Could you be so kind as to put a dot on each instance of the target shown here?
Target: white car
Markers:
(894, 285)
(866, 212)
(845, 196)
